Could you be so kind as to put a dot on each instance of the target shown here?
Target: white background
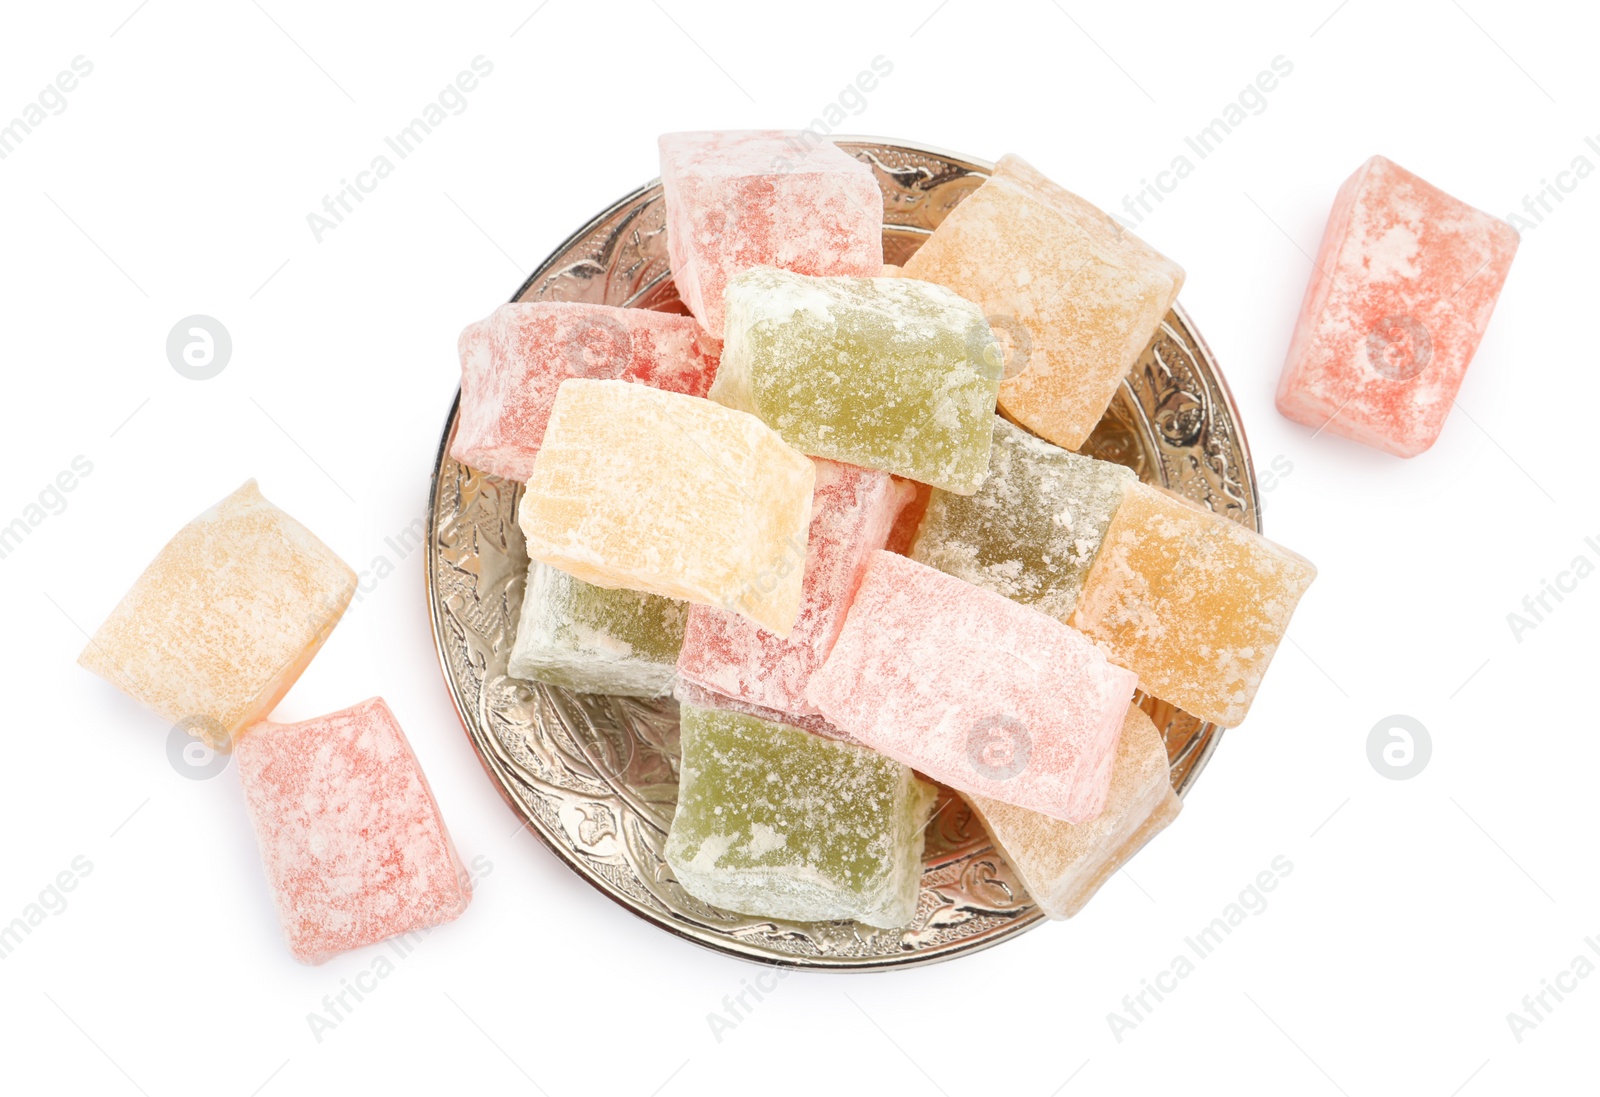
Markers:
(178, 180)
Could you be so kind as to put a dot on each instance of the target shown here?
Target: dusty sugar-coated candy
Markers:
(1033, 529)
(1401, 292)
(1061, 864)
(888, 373)
(852, 510)
(975, 690)
(1192, 602)
(594, 640)
(779, 823)
(353, 843)
(778, 198)
(1076, 295)
(224, 619)
(672, 495)
(513, 361)
(686, 692)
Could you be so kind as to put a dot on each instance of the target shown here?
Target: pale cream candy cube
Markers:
(672, 495)
(224, 619)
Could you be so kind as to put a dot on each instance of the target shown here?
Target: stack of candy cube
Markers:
(210, 637)
(797, 511)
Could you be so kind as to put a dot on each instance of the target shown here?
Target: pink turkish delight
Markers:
(1404, 284)
(852, 511)
(350, 835)
(513, 361)
(775, 198)
(977, 691)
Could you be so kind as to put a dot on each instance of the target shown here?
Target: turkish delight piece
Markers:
(590, 639)
(225, 618)
(889, 373)
(1061, 864)
(852, 510)
(752, 198)
(353, 843)
(1194, 603)
(1401, 292)
(975, 690)
(513, 361)
(1078, 296)
(778, 823)
(672, 495)
(1033, 529)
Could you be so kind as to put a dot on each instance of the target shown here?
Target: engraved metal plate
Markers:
(596, 777)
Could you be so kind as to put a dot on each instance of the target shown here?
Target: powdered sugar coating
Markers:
(1032, 530)
(887, 373)
(1194, 603)
(513, 361)
(1404, 284)
(225, 618)
(738, 199)
(1062, 864)
(775, 822)
(672, 495)
(352, 841)
(687, 693)
(596, 640)
(852, 510)
(1088, 294)
(974, 690)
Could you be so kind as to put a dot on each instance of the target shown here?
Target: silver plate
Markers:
(596, 777)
